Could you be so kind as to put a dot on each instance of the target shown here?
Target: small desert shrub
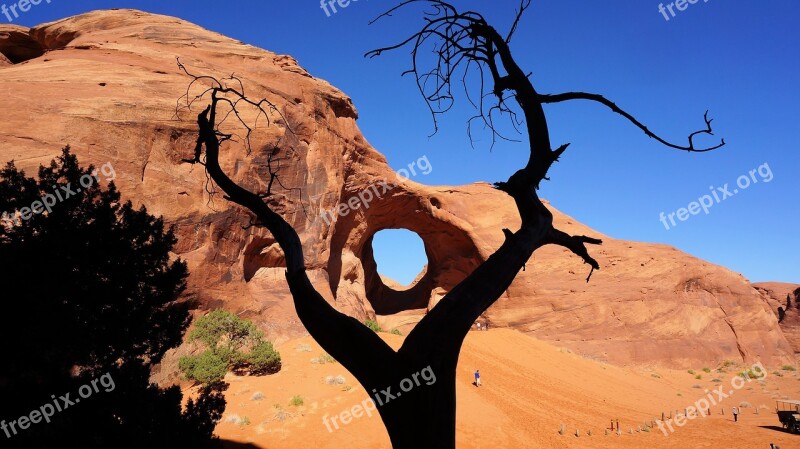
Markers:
(297, 400)
(281, 415)
(395, 332)
(657, 376)
(751, 374)
(323, 359)
(245, 421)
(706, 370)
(716, 380)
(777, 373)
(745, 404)
(373, 326)
(679, 394)
(234, 419)
(691, 371)
(697, 386)
(789, 368)
(257, 397)
(303, 348)
(698, 377)
(338, 380)
(347, 388)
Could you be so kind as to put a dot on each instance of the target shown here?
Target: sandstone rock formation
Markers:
(782, 295)
(107, 82)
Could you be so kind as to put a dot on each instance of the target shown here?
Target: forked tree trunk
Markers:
(418, 413)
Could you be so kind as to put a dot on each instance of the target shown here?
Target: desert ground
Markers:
(529, 389)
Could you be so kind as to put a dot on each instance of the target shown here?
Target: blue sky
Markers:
(737, 58)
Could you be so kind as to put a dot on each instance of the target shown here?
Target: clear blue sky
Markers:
(737, 58)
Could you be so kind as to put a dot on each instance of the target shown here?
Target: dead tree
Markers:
(424, 416)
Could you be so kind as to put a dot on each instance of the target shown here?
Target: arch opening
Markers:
(400, 257)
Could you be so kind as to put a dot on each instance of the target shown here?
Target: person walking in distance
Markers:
(477, 378)
(735, 412)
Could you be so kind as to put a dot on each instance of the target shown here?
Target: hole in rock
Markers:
(400, 257)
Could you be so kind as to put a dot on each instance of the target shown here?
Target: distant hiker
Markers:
(486, 326)
(735, 412)
(477, 378)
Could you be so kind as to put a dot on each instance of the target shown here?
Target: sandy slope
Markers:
(530, 389)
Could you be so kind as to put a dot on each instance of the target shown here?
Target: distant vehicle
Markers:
(789, 414)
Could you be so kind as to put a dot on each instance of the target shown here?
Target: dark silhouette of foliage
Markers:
(89, 291)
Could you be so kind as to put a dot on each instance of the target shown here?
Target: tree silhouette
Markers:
(90, 293)
(422, 416)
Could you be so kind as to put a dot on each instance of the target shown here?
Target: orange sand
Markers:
(529, 389)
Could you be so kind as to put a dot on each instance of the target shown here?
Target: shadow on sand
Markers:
(237, 445)
(778, 428)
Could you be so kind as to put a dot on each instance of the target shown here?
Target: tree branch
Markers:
(558, 98)
(343, 337)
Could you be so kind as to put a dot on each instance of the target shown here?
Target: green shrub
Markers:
(207, 368)
(263, 359)
(225, 335)
(789, 368)
(691, 371)
(297, 400)
(221, 326)
(706, 370)
(395, 332)
(698, 377)
(373, 326)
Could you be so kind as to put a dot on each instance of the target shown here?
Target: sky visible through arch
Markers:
(737, 58)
